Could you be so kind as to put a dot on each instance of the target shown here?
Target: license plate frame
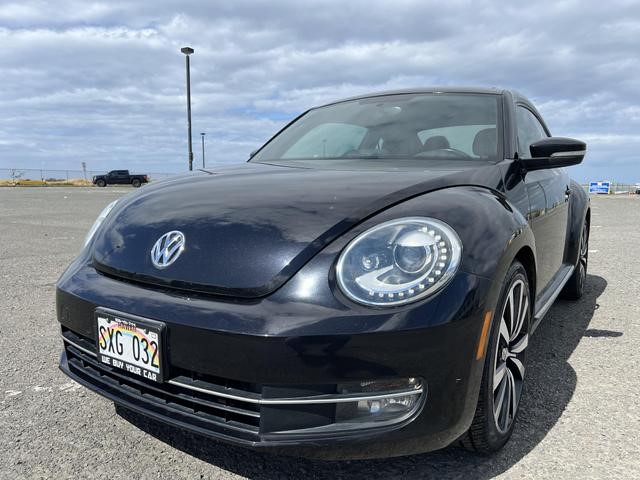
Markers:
(113, 326)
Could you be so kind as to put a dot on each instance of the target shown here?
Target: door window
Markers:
(530, 130)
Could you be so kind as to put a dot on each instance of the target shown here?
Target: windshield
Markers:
(393, 128)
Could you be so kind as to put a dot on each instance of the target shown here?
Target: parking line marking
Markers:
(65, 387)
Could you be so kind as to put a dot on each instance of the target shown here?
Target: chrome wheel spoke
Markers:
(498, 401)
(584, 242)
(498, 376)
(506, 407)
(511, 309)
(584, 256)
(519, 365)
(504, 331)
(513, 396)
(515, 324)
(522, 315)
(521, 345)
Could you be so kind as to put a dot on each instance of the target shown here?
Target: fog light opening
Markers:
(393, 401)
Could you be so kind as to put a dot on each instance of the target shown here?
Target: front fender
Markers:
(492, 230)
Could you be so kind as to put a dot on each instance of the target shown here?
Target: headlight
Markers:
(99, 221)
(399, 261)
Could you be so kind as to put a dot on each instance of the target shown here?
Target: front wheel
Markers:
(136, 182)
(504, 368)
(101, 183)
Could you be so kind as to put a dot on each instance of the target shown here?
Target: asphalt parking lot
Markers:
(580, 416)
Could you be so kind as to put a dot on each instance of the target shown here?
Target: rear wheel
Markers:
(101, 183)
(574, 288)
(504, 369)
(136, 182)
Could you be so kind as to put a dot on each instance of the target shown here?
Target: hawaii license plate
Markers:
(130, 343)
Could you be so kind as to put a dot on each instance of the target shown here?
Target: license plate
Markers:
(130, 343)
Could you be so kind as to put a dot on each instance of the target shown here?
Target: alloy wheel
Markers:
(584, 255)
(513, 339)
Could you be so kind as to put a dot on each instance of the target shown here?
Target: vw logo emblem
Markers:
(167, 249)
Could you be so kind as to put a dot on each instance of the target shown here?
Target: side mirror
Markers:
(555, 152)
(251, 155)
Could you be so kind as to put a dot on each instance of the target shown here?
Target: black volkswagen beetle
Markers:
(366, 285)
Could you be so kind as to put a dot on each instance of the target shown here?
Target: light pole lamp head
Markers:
(187, 50)
(203, 134)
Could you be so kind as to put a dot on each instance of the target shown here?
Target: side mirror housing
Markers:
(555, 152)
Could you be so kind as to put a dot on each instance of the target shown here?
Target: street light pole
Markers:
(202, 135)
(188, 51)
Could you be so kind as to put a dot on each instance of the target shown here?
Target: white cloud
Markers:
(103, 81)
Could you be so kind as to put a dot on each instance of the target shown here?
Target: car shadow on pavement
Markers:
(550, 385)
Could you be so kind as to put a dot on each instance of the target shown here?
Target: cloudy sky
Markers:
(104, 82)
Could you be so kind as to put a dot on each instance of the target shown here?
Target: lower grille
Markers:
(185, 397)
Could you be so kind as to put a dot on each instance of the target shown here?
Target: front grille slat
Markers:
(215, 390)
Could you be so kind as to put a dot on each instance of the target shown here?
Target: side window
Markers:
(530, 130)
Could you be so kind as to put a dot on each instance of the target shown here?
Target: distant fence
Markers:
(618, 188)
(48, 175)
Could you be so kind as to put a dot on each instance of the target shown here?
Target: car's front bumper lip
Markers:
(442, 352)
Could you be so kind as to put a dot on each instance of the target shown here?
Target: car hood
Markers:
(249, 228)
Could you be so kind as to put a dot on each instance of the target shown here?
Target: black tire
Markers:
(101, 183)
(574, 288)
(136, 182)
(490, 431)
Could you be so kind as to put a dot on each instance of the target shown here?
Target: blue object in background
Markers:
(599, 187)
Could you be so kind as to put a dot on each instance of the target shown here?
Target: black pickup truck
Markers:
(119, 177)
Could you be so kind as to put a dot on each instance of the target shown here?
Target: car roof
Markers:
(477, 90)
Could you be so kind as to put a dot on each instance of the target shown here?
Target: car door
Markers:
(548, 192)
(123, 177)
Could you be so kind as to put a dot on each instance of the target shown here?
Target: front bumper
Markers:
(226, 360)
